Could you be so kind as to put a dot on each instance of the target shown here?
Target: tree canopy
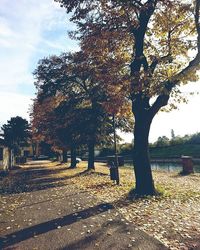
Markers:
(154, 44)
(73, 107)
(16, 132)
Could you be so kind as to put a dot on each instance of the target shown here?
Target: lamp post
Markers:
(115, 149)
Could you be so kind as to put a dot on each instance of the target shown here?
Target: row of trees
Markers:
(73, 107)
(137, 49)
(176, 140)
(157, 36)
(126, 149)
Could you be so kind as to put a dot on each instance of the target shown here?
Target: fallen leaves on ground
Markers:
(173, 217)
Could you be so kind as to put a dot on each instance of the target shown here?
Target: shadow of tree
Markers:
(55, 198)
(44, 227)
(117, 225)
(23, 181)
(39, 177)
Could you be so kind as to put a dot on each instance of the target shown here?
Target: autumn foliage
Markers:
(135, 51)
(158, 37)
(74, 107)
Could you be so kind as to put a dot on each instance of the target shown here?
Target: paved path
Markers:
(66, 218)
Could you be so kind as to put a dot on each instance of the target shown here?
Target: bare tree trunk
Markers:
(91, 155)
(142, 167)
(73, 157)
(6, 159)
(64, 158)
(9, 158)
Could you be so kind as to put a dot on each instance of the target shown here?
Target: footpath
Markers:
(64, 217)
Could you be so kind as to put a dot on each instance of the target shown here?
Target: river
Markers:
(167, 166)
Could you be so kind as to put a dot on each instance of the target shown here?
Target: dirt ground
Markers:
(173, 218)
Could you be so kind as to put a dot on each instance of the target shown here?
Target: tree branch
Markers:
(156, 61)
(161, 101)
(194, 64)
(197, 23)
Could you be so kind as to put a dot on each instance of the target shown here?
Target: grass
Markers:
(176, 151)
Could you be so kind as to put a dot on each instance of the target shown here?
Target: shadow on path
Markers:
(37, 177)
(85, 242)
(49, 200)
(45, 227)
(41, 177)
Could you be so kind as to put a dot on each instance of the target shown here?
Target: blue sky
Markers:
(31, 30)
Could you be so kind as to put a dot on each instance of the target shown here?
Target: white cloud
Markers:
(31, 29)
(60, 44)
(23, 41)
(21, 37)
(5, 30)
(12, 105)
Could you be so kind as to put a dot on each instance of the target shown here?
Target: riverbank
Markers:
(127, 159)
(173, 218)
(175, 151)
(167, 164)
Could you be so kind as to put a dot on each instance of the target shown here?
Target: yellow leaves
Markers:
(107, 35)
(170, 71)
(174, 28)
(191, 76)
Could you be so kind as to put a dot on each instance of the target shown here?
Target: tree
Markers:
(195, 138)
(70, 125)
(47, 125)
(163, 34)
(172, 134)
(162, 141)
(16, 133)
(84, 105)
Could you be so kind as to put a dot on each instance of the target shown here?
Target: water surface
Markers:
(167, 166)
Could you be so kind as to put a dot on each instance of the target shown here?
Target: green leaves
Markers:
(16, 132)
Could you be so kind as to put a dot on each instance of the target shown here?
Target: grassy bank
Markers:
(175, 151)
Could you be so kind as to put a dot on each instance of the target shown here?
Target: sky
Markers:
(31, 30)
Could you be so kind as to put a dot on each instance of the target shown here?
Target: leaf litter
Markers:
(173, 217)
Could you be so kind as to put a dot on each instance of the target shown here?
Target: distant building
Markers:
(7, 157)
(27, 151)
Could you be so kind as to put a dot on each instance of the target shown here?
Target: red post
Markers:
(187, 164)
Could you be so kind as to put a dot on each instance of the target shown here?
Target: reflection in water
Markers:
(168, 166)
(177, 167)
